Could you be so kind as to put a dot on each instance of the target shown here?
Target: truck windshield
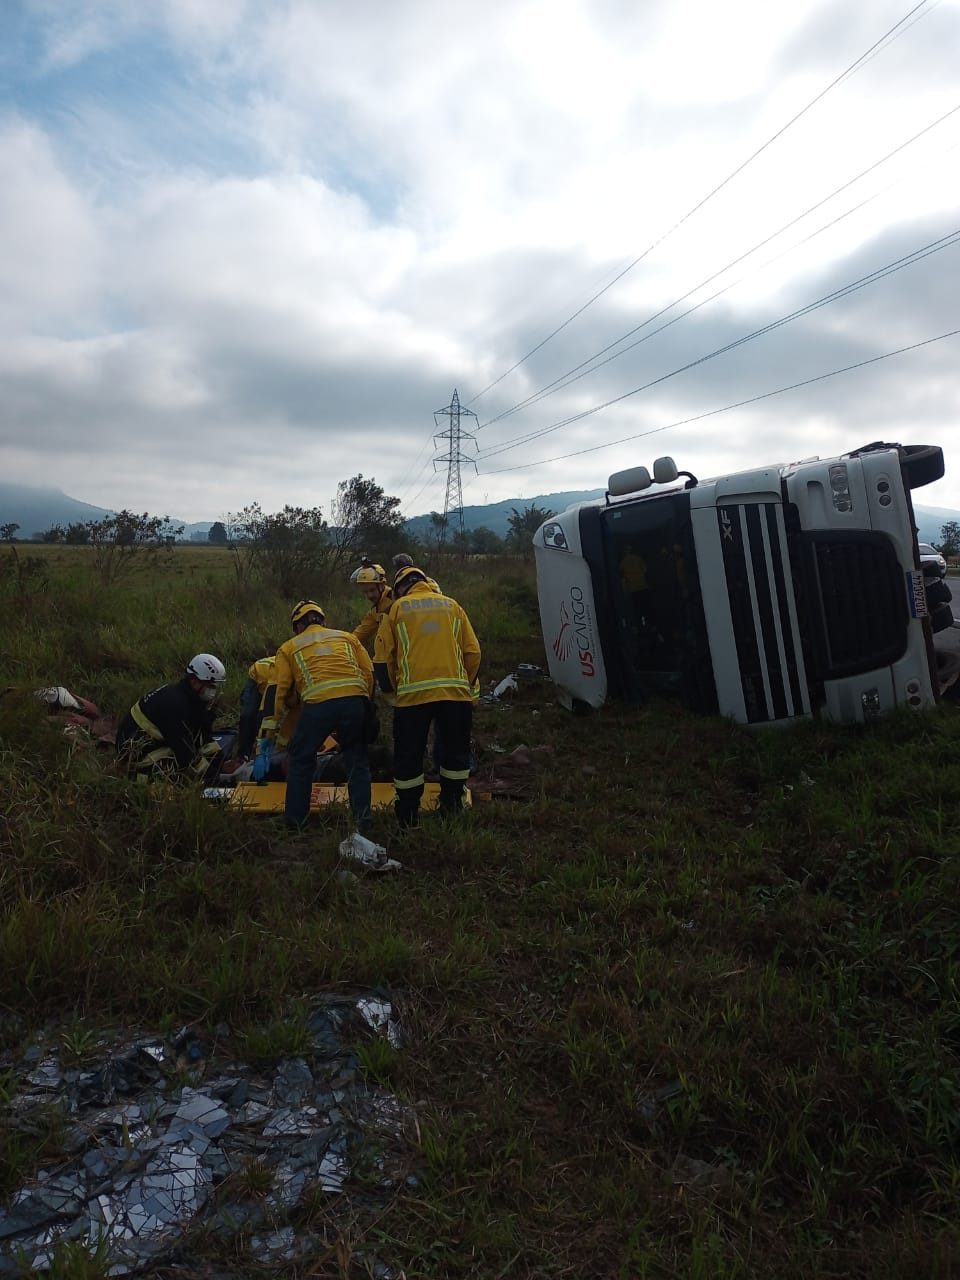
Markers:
(651, 566)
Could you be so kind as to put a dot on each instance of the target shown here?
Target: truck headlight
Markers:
(840, 487)
(553, 536)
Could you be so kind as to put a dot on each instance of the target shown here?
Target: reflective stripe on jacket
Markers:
(320, 664)
(173, 715)
(143, 721)
(428, 648)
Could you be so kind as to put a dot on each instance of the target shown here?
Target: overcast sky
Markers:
(247, 247)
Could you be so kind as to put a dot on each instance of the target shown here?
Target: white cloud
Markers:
(50, 262)
(250, 247)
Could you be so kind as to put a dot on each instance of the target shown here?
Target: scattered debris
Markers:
(507, 685)
(699, 1175)
(156, 1145)
(526, 673)
(514, 776)
(377, 1013)
(371, 856)
(650, 1106)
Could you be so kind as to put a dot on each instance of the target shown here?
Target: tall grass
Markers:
(689, 1008)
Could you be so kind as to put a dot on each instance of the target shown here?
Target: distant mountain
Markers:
(930, 520)
(35, 509)
(196, 532)
(495, 515)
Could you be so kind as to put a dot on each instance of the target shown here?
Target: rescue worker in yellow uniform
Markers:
(428, 655)
(257, 703)
(402, 561)
(331, 674)
(259, 679)
(169, 731)
(372, 581)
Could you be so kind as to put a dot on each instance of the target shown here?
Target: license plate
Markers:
(917, 594)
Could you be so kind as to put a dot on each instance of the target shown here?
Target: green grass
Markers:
(688, 1009)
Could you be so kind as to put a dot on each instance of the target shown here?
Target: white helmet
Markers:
(207, 669)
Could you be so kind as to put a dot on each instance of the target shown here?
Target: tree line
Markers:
(360, 510)
(298, 548)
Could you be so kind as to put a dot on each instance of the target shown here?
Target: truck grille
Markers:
(856, 602)
(762, 610)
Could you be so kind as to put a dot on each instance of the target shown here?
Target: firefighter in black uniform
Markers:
(170, 730)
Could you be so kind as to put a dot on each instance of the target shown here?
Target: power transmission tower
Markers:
(453, 436)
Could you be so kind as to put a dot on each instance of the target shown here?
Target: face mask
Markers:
(208, 693)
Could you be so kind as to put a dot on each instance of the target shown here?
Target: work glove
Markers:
(261, 766)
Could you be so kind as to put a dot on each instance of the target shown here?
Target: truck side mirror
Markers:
(630, 481)
(665, 471)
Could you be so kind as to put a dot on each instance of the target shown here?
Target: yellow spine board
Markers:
(270, 797)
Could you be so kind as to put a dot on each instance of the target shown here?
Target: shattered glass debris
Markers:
(376, 1013)
(147, 1152)
(279, 1246)
(48, 1075)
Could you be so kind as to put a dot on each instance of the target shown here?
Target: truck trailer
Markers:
(779, 593)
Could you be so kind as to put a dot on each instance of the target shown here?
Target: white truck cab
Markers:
(778, 593)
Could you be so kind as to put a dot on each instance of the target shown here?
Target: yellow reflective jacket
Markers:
(368, 626)
(263, 674)
(428, 649)
(318, 664)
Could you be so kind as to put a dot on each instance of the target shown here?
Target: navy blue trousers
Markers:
(344, 717)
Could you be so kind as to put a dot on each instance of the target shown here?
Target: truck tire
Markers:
(921, 464)
(937, 593)
(941, 617)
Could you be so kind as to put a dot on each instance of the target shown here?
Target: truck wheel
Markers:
(938, 593)
(941, 617)
(921, 464)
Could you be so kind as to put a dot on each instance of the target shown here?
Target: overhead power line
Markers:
(898, 264)
(412, 475)
(432, 478)
(594, 362)
(887, 37)
(699, 417)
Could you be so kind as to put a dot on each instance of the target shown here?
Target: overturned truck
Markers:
(788, 591)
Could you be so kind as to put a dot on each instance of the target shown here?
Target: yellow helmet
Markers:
(303, 609)
(408, 575)
(369, 573)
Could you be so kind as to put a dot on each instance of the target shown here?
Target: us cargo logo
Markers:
(563, 644)
(575, 632)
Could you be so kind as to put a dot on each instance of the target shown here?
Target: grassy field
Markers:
(689, 1008)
